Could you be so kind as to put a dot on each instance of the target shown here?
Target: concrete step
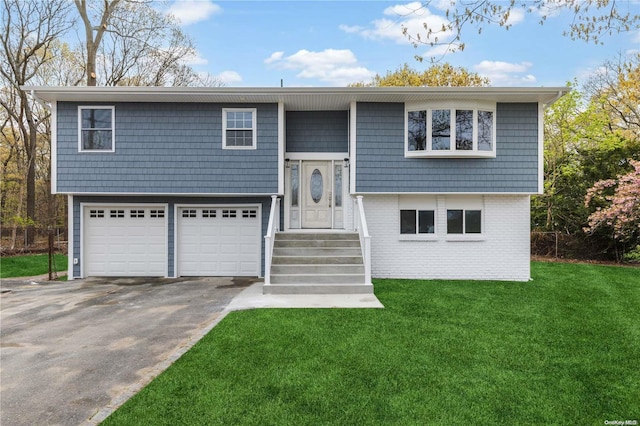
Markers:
(317, 243)
(316, 260)
(317, 269)
(317, 263)
(317, 278)
(317, 289)
(316, 251)
(316, 236)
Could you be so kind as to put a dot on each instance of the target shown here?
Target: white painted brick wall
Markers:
(503, 254)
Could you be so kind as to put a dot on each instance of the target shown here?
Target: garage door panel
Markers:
(218, 241)
(125, 241)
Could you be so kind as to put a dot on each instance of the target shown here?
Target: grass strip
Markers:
(30, 265)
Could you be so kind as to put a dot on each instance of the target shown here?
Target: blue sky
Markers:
(333, 43)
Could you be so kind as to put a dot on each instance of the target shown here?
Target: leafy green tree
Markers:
(590, 136)
(438, 75)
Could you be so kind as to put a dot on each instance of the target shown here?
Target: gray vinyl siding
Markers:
(317, 131)
(168, 148)
(382, 167)
(171, 202)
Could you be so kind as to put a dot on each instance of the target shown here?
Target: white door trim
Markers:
(290, 221)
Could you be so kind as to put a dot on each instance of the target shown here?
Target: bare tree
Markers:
(28, 29)
(615, 88)
(592, 19)
(94, 32)
(135, 45)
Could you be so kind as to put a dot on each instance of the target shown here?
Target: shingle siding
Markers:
(382, 167)
(168, 148)
(317, 131)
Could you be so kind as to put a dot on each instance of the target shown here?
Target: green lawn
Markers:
(31, 265)
(562, 349)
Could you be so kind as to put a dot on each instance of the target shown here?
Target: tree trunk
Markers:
(91, 61)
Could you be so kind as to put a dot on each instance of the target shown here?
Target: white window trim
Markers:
(254, 127)
(465, 203)
(113, 128)
(418, 203)
(451, 152)
(418, 236)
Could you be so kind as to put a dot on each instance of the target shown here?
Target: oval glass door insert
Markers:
(316, 186)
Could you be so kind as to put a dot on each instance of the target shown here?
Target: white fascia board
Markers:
(353, 110)
(281, 146)
(54, 148)
(444, 193)
(70, 237)
(540, 148)
(166, 194)
(334, 95)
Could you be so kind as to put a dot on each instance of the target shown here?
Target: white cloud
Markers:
(636, 37)
(440, 50)
(275, 56)
(195, 59)
(350, 29)
(229, 77)
(515, 16)
(506, 73)
(411, 16)
(502, 67)
(191, 11)
(337, 67)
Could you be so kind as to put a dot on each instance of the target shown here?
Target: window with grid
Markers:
(239, 128)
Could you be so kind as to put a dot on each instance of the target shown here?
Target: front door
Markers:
(316, 194)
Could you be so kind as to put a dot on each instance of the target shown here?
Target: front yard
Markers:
(562, 349)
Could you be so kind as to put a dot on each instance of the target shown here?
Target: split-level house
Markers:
(314, 189)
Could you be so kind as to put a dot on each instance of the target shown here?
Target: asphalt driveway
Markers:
(70, 349)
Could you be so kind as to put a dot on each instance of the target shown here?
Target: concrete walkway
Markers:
(73, 352)
(252, 298)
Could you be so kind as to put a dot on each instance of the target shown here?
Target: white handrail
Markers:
(365, 239)
(272, 228)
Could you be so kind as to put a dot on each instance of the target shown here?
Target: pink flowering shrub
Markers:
(617, 204)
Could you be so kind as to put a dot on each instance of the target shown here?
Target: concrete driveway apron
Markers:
(69, 349)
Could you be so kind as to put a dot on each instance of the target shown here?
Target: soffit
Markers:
(319, 98)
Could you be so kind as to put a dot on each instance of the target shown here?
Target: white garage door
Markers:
(125, 241)
(218, 241)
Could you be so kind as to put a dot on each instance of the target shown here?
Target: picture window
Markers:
(450, 132)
